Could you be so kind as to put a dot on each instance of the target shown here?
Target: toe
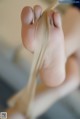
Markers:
(57, 19)
(54, 19)
(37, 11)
(27, 15)
(28, 28)
(50, 18)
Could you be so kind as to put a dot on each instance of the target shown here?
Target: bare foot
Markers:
(53, 70)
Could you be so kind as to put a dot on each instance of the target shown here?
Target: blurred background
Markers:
(15, 60)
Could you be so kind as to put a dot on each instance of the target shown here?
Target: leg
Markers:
(45, 98)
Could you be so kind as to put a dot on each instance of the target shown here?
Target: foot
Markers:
(53, 69)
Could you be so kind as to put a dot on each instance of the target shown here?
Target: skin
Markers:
(71, 28)
(41, 102)
(54, 56)
(53, 70)
(71, 35)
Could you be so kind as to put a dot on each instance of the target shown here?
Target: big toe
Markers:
(28, 28)
(27, 15)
